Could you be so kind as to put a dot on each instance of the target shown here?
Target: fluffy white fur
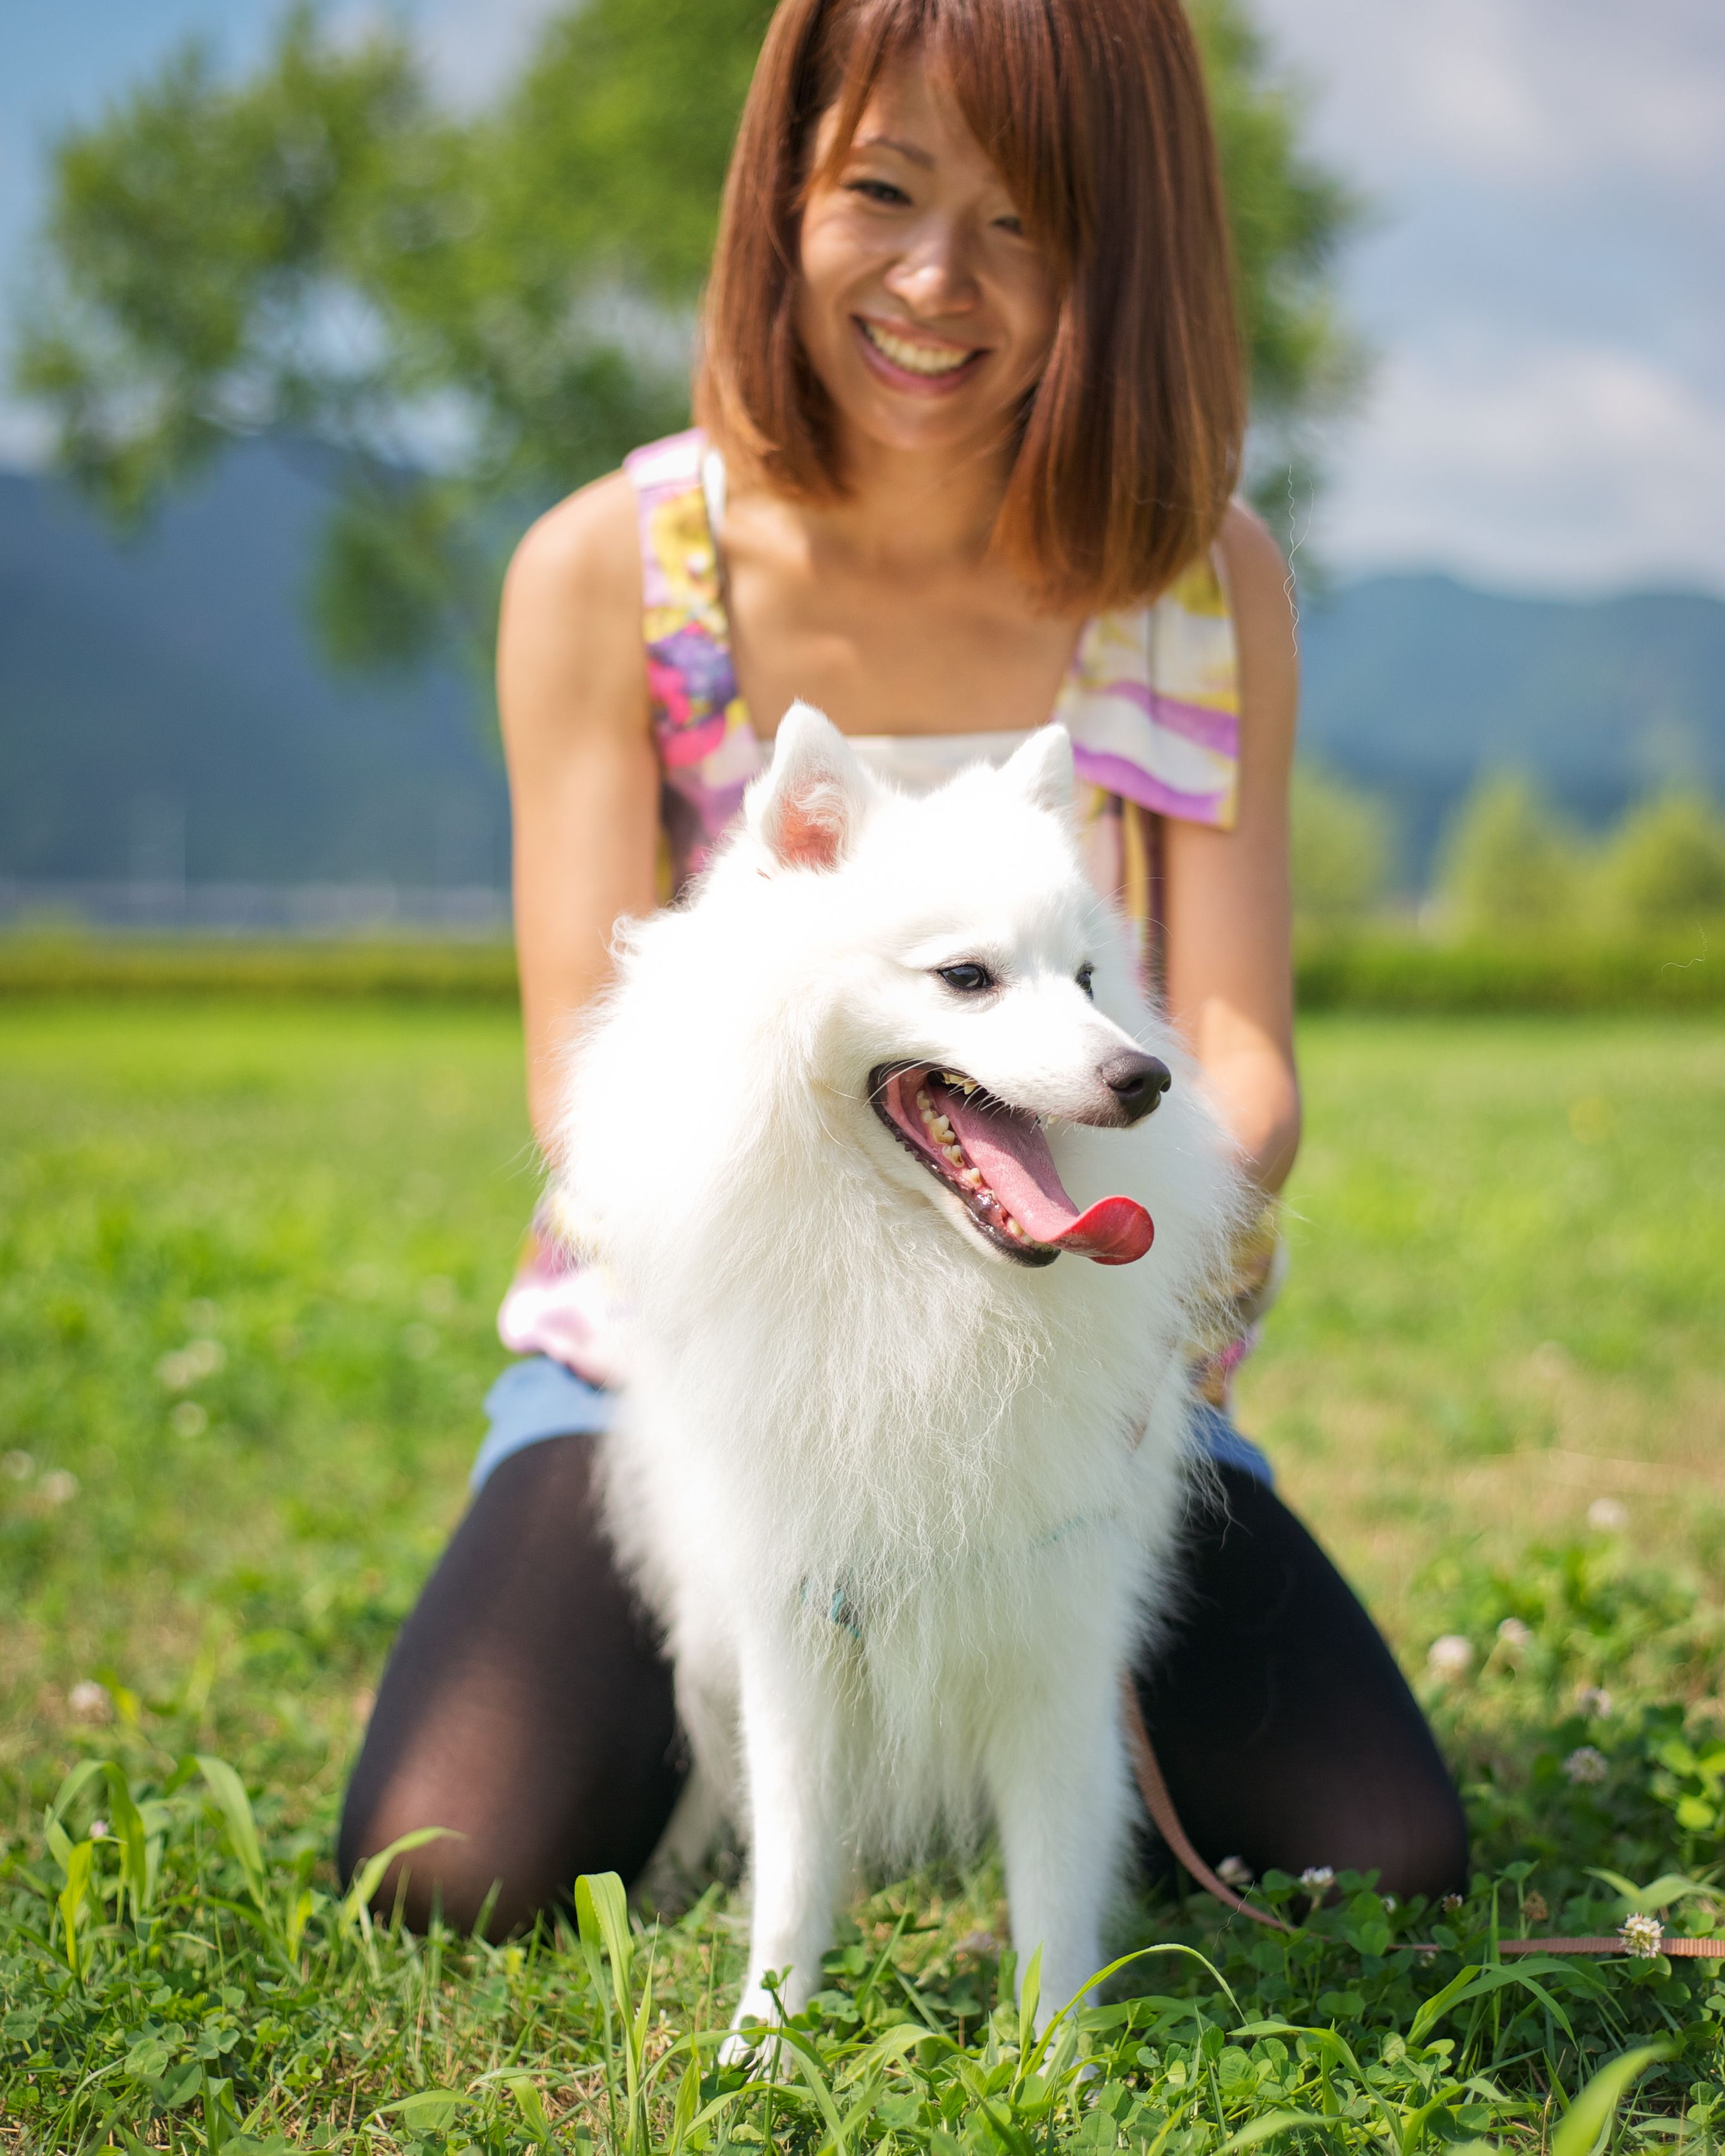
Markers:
(903, 1507)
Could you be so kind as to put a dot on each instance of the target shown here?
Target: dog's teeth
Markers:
(968, 1083)
(973, 1176)
(955, 1153)
(943, 1131)
(1014, 1228)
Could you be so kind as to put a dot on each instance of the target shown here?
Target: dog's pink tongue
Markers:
(1018, 1167)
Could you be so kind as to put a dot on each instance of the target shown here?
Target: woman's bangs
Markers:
(1002, 64)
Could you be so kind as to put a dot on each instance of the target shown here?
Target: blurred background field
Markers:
(251, 1253)
(250, 1250)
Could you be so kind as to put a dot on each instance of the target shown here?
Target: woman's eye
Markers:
(1085, 975)
(878, 191)
(1014, 224)
(969, 980)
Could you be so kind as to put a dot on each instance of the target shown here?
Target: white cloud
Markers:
(1556, 466)
(473, 52)
(26, 436)
(1528, 92)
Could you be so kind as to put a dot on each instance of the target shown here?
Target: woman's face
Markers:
(923, 307)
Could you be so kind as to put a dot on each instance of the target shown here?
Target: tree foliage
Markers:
(1665, 868)
(1343, 848)
(1510, 863)
(463, 319)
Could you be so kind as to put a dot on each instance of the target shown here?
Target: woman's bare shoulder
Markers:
(1256, 568)
(569, 647)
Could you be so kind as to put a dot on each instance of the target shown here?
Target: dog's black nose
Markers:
(1137, 1081)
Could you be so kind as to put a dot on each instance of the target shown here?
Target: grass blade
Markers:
(1589, 2118)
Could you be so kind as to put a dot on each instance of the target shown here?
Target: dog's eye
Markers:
(1085, 975)
(969, 980)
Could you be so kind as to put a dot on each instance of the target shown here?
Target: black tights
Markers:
(528, 1706)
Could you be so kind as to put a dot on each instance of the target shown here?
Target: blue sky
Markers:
(1543, 283)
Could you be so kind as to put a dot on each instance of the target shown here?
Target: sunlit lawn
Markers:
(248, 1260)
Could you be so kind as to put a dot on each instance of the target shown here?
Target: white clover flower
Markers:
(203, 1315)
(204, 1357)
(1586, 1766)
(1594, 1700)
(1449, 1656)
(1607, 1515)
(1449, 1904)
(98, 1829)
(1317, 1878)
(189, 1419)
(184, 1366)
(1641, 1935)
(18, 1466)
(978, 1943)
(419, 1341)
(1235, 1872)
(1516, 1637)
(437, 1296)
(60, 1487)
(90, 1702)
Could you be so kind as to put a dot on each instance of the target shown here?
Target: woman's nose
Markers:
(933, 276)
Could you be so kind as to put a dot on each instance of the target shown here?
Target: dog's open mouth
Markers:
(995, 1160)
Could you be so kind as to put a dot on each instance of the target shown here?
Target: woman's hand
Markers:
(584, 780)
(1229, 957)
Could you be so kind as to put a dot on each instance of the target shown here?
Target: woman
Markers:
(970, 424)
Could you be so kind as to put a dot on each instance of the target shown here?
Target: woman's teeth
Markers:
(917, 358)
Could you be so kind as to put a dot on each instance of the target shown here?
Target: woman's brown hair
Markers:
(1094, 112)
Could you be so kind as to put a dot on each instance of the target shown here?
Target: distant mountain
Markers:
(1416, 684)
(166, 696)
(164, 701)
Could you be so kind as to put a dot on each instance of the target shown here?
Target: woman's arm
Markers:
(1229, 964)
(583, 782)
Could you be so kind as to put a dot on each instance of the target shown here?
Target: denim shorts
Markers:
(536, 1398)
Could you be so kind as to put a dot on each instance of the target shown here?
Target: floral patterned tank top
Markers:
(1151, 698)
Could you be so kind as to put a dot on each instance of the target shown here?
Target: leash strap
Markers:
(1160, 1805)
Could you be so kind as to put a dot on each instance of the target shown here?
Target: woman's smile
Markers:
(914, 359)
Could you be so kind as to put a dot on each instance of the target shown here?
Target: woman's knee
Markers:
(1428, 1855)
(481, 1873)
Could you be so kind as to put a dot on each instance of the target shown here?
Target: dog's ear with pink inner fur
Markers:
(808, 808)
(1042, 769)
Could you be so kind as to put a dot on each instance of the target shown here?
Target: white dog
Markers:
(898, 1484)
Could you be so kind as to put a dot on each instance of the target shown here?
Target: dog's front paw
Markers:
(740, 2047)
(758, 2048)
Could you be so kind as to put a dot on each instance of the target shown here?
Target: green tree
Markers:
(465, 319)
(1509, 864)
(1664, 866)
(1343, 843)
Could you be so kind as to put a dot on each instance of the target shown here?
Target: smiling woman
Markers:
(970, 421)
(1081, 255)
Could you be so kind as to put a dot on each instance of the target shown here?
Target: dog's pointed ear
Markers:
(1042, 769)
(807, 808)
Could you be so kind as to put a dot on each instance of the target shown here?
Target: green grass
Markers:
(1382, 968)
(1497, 1385)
